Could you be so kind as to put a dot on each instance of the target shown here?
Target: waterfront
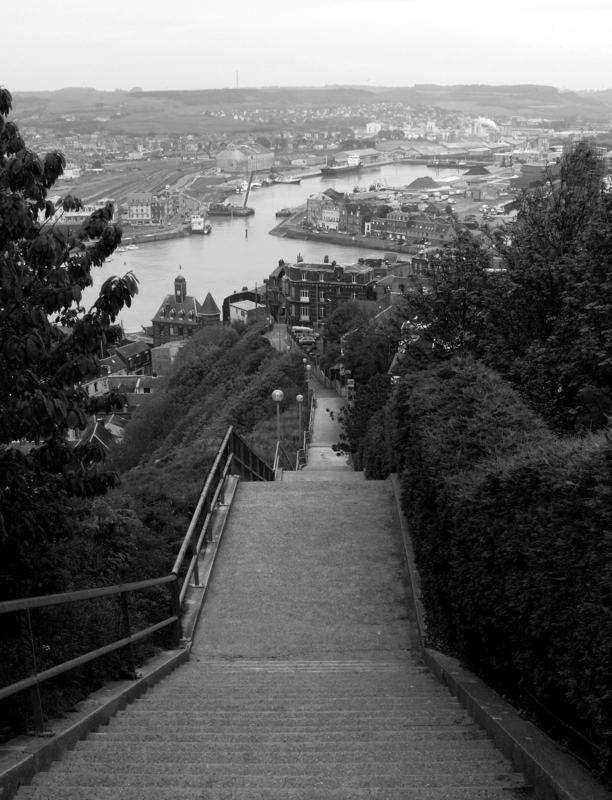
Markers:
(240, 252)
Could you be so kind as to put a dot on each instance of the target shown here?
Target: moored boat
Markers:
(287, 179)
(229, 210)
(199, 225)
(338, 169)
(353, 164)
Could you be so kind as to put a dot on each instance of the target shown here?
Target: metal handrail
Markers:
(280, 454)
(301, 457)
(233, 453)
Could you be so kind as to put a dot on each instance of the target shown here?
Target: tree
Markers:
(556, 257)
(345, 317)
(49, 343)
(449, 308)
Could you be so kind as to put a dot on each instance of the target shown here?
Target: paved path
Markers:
(327, 425)
(326, 431)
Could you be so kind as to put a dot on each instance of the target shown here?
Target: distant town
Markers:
(168, 185)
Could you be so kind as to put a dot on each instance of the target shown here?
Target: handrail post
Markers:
(35, 698)
(175, 608)
(127, 632)
(196, 569)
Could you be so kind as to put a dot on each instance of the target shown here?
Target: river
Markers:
(239, 252)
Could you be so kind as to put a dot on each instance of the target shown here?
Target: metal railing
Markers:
(301, 458)
(281, 459)
(233, 457)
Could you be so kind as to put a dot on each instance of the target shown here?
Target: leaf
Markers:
(6, 101)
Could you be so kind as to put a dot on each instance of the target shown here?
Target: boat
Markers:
(199, 225)
(229, 210)
(132, 247)
(284, 212)
(339, 169)
(287, 179)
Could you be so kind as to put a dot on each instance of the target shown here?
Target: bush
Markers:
(531, 582)
(511, 528)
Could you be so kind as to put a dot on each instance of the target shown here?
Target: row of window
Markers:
(323, 277)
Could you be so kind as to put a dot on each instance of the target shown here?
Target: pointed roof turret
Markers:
(210, 310)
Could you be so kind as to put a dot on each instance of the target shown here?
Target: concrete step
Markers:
(141, 791)
(179, 779)
(340, 474)
(425, 772)
(301, 684)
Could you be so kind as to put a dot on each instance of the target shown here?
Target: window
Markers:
(303, 276)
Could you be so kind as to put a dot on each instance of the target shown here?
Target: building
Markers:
(144, 208)
(247, 311)
(181, 315)
(245, 159)
(76, 217)
(306, 294)
(418, 229)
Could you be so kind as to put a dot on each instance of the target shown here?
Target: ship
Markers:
(229, 210)
(199, 225)
(352, 165)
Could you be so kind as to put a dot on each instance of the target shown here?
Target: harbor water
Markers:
(240, 252)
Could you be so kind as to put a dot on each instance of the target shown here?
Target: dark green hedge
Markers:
(512, 529)
(450, 418)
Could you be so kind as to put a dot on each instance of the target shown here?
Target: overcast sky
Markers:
(202, 44)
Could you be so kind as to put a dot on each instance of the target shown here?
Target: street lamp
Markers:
(299, 399)
(277, 396)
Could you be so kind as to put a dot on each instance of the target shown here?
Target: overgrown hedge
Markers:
(512, 529)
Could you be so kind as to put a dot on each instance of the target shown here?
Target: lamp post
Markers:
(299, 399)
(277, 396)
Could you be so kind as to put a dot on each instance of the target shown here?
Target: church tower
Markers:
(180, 289)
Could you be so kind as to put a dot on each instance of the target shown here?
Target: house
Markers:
(144, 208)
(181, 315)
(323, 210)
(136, 357)
(247, 311)
(308, 293)
(414, 228)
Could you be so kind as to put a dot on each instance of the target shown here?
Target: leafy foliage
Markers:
(557, 257)
(450, 308)
(48, 343)
(541, 317)
(510, 525)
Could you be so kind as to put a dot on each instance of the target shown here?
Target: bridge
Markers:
(301, 671)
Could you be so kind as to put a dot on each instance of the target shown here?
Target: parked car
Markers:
(307, 342)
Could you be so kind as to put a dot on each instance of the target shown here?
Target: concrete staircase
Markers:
(302, 683)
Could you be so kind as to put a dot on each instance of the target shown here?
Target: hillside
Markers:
(140, 112)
